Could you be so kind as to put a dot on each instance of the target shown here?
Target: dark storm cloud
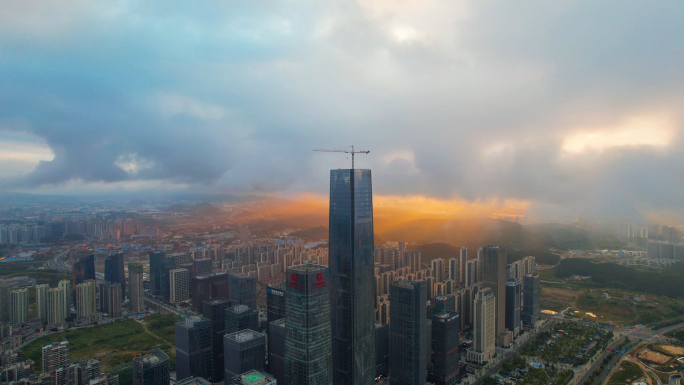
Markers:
(470, 99)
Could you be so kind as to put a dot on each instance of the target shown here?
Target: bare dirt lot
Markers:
(655, 357)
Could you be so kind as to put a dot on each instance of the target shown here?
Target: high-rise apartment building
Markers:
(275, 304)
(86, 299)
(19, 301)
(5, 302)
(66, 287)
(484, 331)
(41, 301)
(531, 295)
(179, 281)
(408, 333)
(454, 274)
(308, 344)
(56, 310)
(243, 351)
(152, 369)
(445, 345)
(114, 272)
(241, 317)
(193, 348)
(513, 302)
(462, 261)
(438, 267)
(55, 355)
(493, 272)
(110, 299)
(242, 290)
(351, 276)
(215, 310)
(471, 273)
(135, 278)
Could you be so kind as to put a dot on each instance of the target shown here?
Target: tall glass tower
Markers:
(351, 277)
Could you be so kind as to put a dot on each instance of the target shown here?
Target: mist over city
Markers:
(341, 192)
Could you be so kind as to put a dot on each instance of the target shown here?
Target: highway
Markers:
(58, 262)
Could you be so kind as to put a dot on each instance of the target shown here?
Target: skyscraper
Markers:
(471, 273)
(114, 272)
(240, 317)
(19, 299)
(408, 333)
(276, 349)
(454, 274)
(110, 299)
(208, 287)
(243, 351)
(65, 287)
(179, 281)
(56, 312)
(445, 344)
(513, 299)
(531, 294)
(242, 290)
(215, 310)
(202, 267)
(493, 267)
(5, 302)
(484, 333)
(308, 356)
(351, 276)
(438, 269)
(84, 269)
(152, 369)
(193, 348)
(135, 276)
(381, 350)
(160, 265)
(41, 301)
(275, 304)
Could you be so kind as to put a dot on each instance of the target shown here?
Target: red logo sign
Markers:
(319, 277)
(294, 277)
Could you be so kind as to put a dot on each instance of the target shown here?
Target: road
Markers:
(58, 262)
(156, 303)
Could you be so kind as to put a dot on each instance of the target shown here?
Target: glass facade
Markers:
(351, 276)
(445, 345)
(193, 348)
(308, 353)
(531, 294)
(114, 272)
(408, 344)
(215, 310)
(152, 369)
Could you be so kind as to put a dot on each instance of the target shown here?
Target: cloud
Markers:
(573, 107)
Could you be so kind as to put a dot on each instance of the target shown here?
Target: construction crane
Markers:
(346, 151)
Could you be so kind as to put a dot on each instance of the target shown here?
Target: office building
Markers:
(84, 269)
(160, 266)
(19, 303)
(275, 304)
(240, 317)
(205, 288)
(152, 369)
(513, 300)
(445, 348)
(56, 310)
(179, 281)
(202, 267)
(408, 333)
(193, 348)
(114, 272)
(242, 290)
(308, 344)
(253, 377)
(276, 349)
(493, 267)
(443, 303)
(381, 350)
(41, 301)
(351, 276)
(243, 351)
(484, 331)
(110, 299)
(531, 295)
(135, 277)
(215, 310)
(55, 355)
(86, 299)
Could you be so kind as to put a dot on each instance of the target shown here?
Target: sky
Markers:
(558, 109)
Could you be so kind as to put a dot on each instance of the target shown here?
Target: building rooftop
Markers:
(253, 377)
(244, 335)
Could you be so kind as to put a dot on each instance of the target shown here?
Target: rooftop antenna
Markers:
(346, 150)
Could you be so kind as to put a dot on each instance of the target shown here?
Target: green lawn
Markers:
(113, 344)
(626, 374)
